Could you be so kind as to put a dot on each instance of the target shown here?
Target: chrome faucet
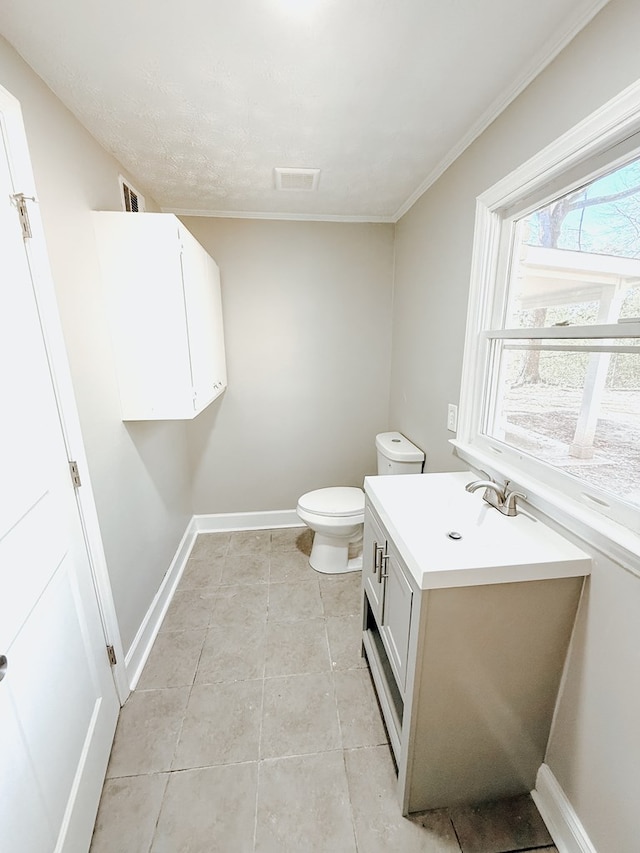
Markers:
(497, 496)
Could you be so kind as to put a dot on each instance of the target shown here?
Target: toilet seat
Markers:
(334, 502)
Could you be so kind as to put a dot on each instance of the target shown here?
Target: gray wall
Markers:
(434, 239)
(595, 745)
(139, 471)
(307, 309)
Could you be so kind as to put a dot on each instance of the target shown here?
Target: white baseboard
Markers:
(230, 521)
(137, 655)
(567, 832)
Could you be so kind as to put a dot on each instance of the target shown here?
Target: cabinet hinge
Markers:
(20, 200)
(111, 654)
(75, 474)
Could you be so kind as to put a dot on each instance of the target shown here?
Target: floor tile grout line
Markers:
(248, 761)
(185, 769)
(351, 810)
(530, 849)
(333, 682)
(264, 671)
(455, 831)
(186, 707)
(255, 819)
(255, 808)
(162, 800)
(300, 754)
(262, 698)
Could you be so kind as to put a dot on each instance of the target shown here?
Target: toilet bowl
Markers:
(336, 516)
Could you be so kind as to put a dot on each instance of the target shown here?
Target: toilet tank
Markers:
(397, 455)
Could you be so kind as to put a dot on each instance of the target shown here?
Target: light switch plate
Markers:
(452, 417)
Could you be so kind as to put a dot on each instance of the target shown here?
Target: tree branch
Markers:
(602, 199)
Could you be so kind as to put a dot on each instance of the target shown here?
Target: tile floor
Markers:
(255, 727)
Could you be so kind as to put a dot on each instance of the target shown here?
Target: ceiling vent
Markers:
(301, 180)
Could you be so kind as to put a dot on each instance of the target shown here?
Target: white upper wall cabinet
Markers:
(162, 292)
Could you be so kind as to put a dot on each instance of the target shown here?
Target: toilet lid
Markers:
(338, 500)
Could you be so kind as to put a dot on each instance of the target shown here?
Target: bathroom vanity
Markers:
(467, 617)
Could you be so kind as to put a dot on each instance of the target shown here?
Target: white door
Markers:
(58, 703)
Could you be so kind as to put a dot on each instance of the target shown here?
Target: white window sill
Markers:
(614, 540)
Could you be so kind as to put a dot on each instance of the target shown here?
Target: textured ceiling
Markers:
(200, 100)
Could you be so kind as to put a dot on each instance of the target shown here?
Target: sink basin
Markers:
(421, 511)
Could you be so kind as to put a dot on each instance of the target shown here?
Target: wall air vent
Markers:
(132, 201)
(301, 180)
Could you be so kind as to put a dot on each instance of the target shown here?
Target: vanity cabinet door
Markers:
(374, 548)
(396, 616)
(389, 593)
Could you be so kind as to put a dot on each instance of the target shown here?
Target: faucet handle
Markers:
(510, 502)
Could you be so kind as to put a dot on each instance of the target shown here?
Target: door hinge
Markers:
(111, 654)
(20, 200)
(75, 474)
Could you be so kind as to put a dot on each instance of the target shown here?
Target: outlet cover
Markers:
(452, 417)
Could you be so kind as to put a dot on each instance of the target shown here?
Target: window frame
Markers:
(596, 145)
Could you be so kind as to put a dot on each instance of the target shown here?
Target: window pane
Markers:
(576, 261)
(582, 415)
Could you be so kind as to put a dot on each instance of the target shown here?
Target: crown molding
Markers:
(289, 217)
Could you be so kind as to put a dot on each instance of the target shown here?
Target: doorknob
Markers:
(3, 666)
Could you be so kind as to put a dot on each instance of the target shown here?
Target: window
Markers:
(551, 382)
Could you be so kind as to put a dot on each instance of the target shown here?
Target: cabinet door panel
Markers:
(396, 618)
(374, 546)
(141, 281)
(201, 282)
(162, 292)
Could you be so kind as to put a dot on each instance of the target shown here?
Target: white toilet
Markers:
(336, 514)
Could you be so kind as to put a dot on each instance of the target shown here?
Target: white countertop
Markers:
(419, 510)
